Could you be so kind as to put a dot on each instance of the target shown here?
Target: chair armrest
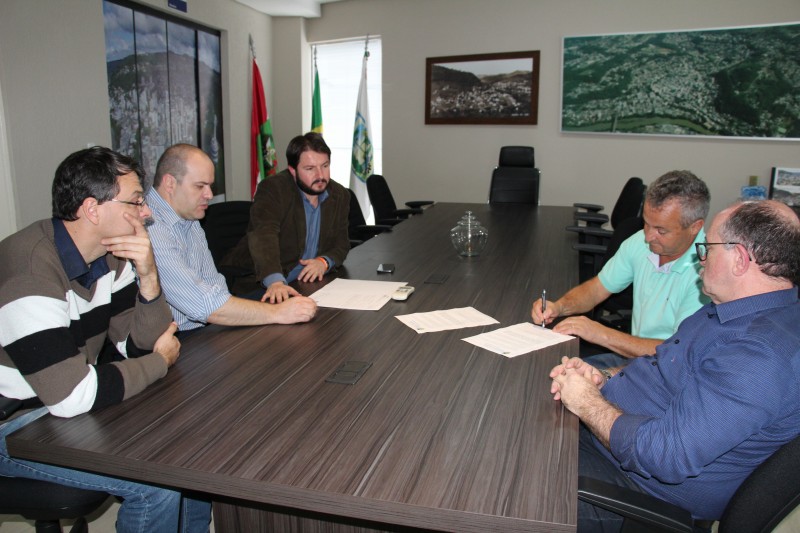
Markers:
(594, 249)
(390, 221)
(639, 507)
(404, 213)
(593, 231)
(416, 204)
(597, 219)
(593, 208)
(9, 406)
(372, 229)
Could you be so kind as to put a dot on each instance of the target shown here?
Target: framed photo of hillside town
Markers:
(785, 186)
(482, 89)
(727, 82)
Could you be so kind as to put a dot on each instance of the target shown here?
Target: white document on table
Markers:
(356, 294)
(518, 339)
(461, 317)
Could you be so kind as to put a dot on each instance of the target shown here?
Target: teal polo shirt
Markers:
(662, 296)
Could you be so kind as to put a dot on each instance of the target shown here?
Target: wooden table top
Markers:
(437, 434)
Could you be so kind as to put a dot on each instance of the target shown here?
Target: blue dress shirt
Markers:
(717, 399)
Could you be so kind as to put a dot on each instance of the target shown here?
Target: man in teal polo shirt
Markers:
(659, 260)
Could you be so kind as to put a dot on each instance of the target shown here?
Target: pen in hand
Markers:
(544, 304)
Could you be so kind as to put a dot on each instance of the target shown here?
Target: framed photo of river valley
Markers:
(498, 88)
(728, 82)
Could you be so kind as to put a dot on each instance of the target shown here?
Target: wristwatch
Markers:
(607, 374)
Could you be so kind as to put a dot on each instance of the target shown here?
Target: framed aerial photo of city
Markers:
(727, 82)
(482, 89)
(785, 186)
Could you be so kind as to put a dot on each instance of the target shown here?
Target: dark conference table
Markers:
(438, 434)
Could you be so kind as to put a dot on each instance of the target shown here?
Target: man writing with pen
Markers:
(659, 261)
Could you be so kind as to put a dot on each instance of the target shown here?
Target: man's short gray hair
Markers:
(689, 190)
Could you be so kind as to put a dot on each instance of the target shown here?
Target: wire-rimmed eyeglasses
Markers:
(141, 204)
(702, 248)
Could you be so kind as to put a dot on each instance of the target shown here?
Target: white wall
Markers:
(455, 162)
(53, 75)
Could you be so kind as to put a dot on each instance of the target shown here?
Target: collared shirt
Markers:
(71, 259)
(313, 216)
(662, 296)
(191, 283)
(717, 399)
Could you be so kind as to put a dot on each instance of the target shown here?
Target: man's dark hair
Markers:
(89, 173)
(686, 188)
(771, 236)
(173, 162)
(303, 143)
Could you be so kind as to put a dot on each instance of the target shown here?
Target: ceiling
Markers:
(287, 8)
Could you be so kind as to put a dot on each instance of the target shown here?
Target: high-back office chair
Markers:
(386, 212)
(225, 224)
(44, 502)
(357, 228)
(765, 498)
(516, 179)
(629, 204)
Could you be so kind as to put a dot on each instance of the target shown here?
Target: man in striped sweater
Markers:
(76, 330)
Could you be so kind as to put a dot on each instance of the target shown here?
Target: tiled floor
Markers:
(100, 522)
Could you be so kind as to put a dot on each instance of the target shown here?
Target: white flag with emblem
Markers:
(361, 162)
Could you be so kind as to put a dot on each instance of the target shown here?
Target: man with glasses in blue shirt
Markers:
(691, 422)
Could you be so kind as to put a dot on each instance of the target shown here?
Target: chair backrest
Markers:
(356, 216)
(225, 224)
(768, 494)
(630, 201)
(380, 196)
(516, 179)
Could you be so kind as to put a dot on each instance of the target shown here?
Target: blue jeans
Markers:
(593, 464)
(144, 509)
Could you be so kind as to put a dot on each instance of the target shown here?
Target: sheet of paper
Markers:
(518, 339)
(356, 294)
(462, 317)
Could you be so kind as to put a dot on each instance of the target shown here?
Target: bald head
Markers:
(770, 231)
(174, 162)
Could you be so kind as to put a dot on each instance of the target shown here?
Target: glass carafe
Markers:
(469, 237)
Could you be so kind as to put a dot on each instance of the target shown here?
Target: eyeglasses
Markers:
(702, 248)
(141, 204)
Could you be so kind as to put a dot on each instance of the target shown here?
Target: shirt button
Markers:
(654, 363)
(621, 373)
(677, 341)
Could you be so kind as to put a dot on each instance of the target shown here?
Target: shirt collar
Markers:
(322, 197)
(760, 302)
(71, 259)
(163, 212)
(687, 260)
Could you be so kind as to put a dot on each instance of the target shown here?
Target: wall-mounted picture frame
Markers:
(785, 186)
(500, 88)
(725, 82)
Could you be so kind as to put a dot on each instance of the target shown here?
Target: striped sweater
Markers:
(52, 329)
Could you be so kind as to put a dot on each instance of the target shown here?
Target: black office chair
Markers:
(386, 211)
(516, 179)
(358, 229)
(225, 224)
(629, 204)
(44, 502)
(763, 500)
